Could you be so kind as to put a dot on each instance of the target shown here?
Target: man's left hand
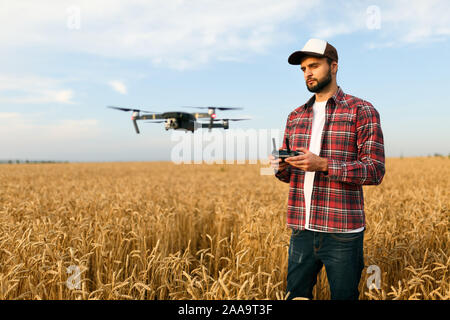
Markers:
(308, 161)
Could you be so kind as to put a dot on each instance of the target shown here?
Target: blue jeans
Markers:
(342, 255)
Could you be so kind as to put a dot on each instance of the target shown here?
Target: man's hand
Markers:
(308, 161)
(277, 164)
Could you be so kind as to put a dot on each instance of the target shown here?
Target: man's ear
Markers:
(334, 67)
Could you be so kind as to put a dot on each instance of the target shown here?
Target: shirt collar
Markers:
(338, 96)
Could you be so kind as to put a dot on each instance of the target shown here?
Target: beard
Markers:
(318, 87)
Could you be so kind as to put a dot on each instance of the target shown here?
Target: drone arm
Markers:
(150, 117)
(214, 125)
(201, 115)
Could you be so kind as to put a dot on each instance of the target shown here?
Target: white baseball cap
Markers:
(315, 48)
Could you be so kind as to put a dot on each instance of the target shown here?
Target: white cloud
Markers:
(118, 86)
(185, 34)
(401, 22)
(418, 20)
(32, 125)
(9, 115)
(411, 22)
(33, 89)
(69, 128)
(178, 34)
(30, 135)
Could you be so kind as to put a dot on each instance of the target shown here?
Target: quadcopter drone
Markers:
(179, 120)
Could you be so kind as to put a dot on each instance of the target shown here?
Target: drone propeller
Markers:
(235, 119)
(226, 108)
(127, 109)
(155, 121)
(218, 108)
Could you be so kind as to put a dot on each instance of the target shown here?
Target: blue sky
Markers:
(63, 62)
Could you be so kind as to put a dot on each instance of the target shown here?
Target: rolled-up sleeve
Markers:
(369, 168)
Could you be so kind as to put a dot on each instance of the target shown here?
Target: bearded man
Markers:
(341, 147)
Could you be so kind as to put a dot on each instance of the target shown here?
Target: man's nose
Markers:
(308, 73)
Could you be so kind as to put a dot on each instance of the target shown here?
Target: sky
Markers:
(62, 62)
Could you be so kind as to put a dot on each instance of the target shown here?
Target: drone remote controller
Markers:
(284, 153)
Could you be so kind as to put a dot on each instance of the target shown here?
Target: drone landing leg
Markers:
(135, 126)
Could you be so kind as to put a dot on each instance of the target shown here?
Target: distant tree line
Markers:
(17, 161)
(440, 155)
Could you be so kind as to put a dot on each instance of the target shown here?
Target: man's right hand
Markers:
(277, 164)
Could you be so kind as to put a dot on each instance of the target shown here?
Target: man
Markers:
(341, 149)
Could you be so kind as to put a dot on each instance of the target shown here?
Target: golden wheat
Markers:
(166, 231)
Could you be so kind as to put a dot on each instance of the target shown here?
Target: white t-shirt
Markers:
(319, 113)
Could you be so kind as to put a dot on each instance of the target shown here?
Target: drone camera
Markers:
(171, 123)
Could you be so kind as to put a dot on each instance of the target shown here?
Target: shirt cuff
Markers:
(334, 169)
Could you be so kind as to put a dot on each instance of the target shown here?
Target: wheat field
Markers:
(166, 231)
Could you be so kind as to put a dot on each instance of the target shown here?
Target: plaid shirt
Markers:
(352, 141)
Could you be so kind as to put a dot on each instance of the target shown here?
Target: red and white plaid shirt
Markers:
(352, 141)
